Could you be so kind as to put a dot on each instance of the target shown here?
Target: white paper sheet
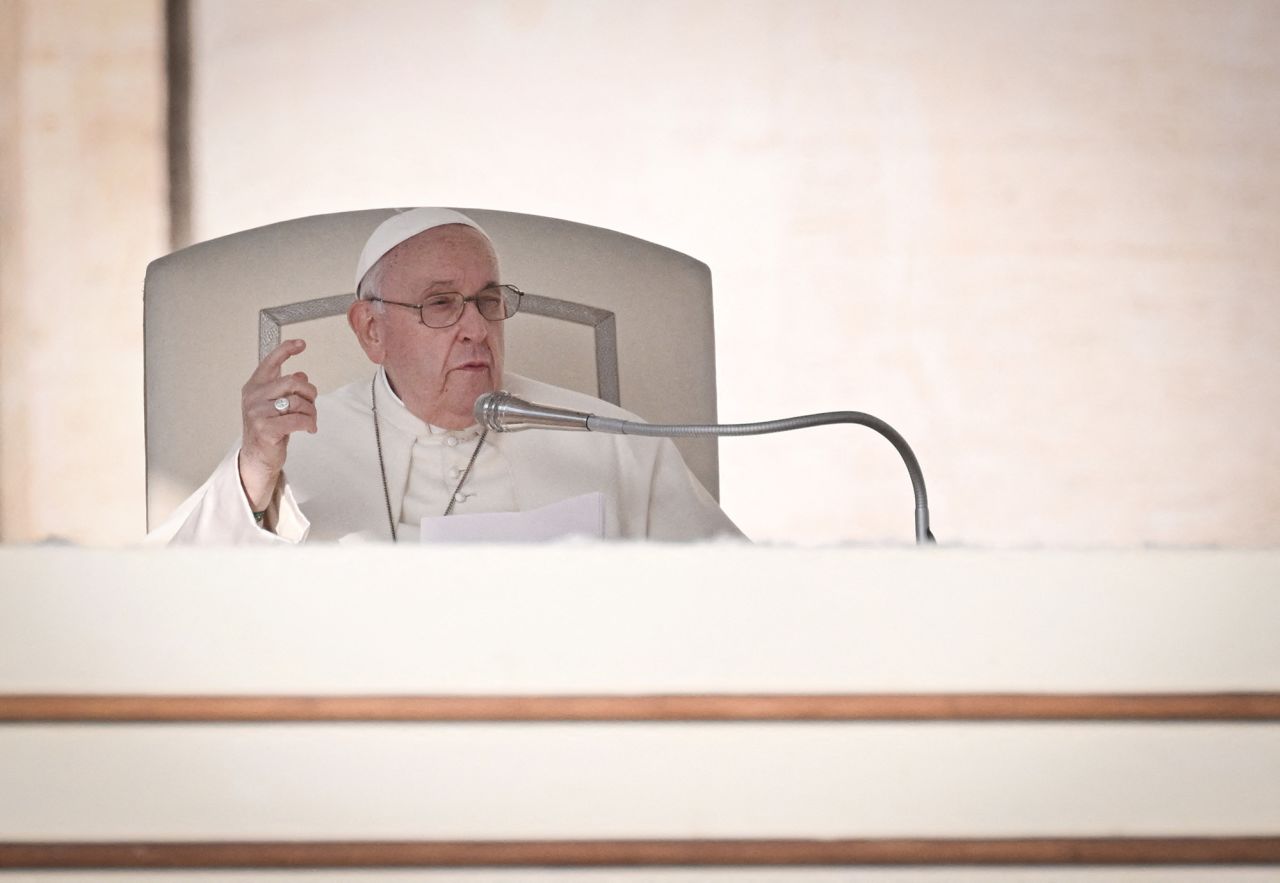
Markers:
(575, 517)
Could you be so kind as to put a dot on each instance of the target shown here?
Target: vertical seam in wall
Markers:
(177, 80)
(178, 113)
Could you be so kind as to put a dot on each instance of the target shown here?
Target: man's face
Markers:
(439, 372)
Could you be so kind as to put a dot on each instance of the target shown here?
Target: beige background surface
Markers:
(82, 210)
(1040, 238)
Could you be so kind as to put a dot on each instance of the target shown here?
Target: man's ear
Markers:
(366, 322)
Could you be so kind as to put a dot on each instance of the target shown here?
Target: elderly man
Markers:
(383, 457)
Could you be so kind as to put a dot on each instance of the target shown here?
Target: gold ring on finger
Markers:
(281, 404)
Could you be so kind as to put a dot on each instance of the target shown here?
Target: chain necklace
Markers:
(382, 468)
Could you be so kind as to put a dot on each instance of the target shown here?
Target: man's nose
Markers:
(472, 325)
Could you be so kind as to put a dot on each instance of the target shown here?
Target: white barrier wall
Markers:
(627, 623)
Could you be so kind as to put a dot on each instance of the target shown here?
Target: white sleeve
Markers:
(680, 508)
(218, 513)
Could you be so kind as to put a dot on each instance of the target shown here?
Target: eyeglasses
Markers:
(495, 303)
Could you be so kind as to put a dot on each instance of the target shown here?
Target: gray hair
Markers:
(371, 285)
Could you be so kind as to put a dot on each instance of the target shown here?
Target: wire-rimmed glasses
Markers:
(442, 309)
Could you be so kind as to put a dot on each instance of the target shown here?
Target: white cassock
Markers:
(333, 490)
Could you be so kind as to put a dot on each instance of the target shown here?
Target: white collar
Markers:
(400, 416)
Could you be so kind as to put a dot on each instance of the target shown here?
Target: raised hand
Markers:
(273, 406)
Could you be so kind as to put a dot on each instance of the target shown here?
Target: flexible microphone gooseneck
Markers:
(502, 412)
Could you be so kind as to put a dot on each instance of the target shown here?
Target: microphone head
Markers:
(488, 409)
(503, 412)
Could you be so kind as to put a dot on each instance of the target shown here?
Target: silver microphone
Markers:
(503, 412)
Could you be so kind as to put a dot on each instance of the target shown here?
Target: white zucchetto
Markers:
(403, 225)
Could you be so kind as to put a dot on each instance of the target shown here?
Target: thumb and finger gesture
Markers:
(273, 405)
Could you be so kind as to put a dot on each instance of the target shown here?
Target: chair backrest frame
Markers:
(603, 324)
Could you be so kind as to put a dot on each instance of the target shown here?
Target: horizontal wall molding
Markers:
(618, 853)
(44, 708)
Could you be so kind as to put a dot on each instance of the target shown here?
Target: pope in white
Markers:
(374, 459)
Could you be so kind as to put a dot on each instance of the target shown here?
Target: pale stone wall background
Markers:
(82, 211)
(1040, 238)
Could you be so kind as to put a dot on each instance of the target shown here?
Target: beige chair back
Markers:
(609, 314)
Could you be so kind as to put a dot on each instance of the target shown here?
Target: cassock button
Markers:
(451, 442)
(459, 497)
